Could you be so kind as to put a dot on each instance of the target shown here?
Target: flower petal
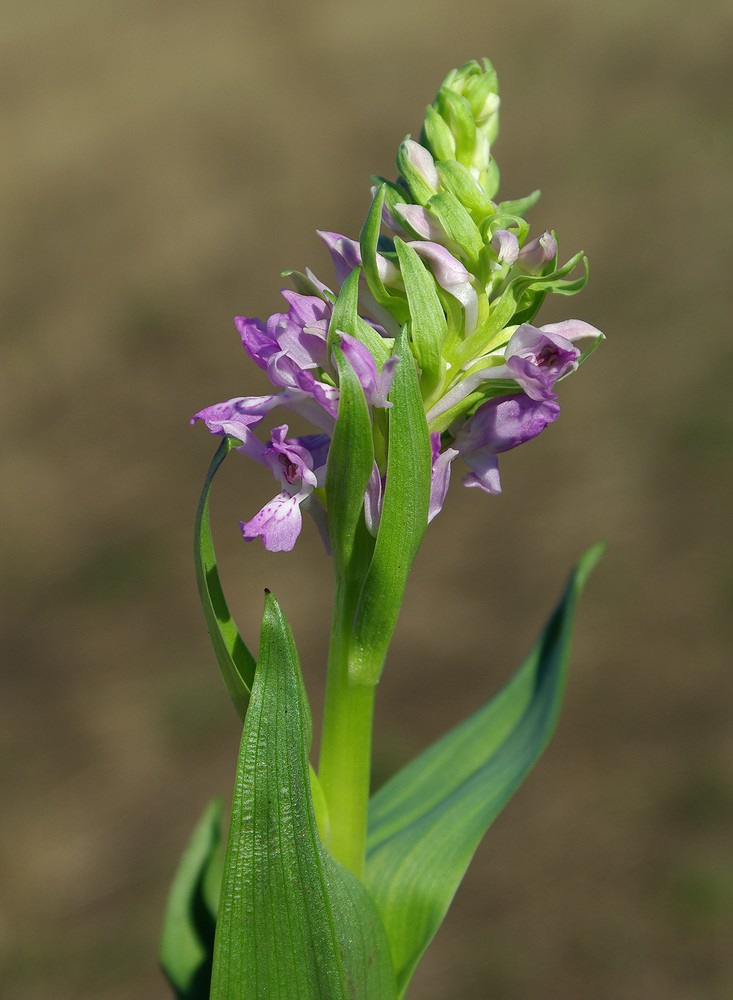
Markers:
(278, 524)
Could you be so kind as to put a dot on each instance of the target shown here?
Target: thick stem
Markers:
(346, 741)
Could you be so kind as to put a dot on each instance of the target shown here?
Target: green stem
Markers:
(346, 741)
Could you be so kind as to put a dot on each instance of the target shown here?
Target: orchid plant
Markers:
(423, 351)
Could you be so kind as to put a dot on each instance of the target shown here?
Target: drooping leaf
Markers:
(427, 821)
(187, 939)
(402, 524)
(293, 924)
(236, 663)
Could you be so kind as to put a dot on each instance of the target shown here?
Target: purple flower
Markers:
(346, 255)
(299, 465)
(376, 385)
(236, 416)
(452, 276)
(499, 425)
(537, 253)
(505, 245)
(288, 342)
(536, 359)
(440, 479)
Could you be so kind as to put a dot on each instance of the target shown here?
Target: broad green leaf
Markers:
(350, 464)
(368, 242)
(236, 663)
(428, 327)
(403, 522)
(293, 923)
(427, 821)
(187, 939)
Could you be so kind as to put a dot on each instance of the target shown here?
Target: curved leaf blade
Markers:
(293, 924)
(187, 938)
(427, 821)
(236, 663)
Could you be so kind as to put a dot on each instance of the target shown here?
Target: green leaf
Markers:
(350, 464)
(293, 923)
(520, 206)
(187, 939)
(236, 663)
(427, 821)
(346, 319)
(437, 136)
(368, 241)
(460, 182)
(428, 326)
(457, 112)
(403, 522)
(457, 223)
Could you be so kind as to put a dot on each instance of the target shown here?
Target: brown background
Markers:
(161, 164)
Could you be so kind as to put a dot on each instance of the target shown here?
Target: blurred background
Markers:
(161, 164)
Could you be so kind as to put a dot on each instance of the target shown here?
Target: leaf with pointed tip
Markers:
(428, 326)
(350, 464)
(187, 939)
(368, 242)
(427, 821)
(457, 223)
(236, 663)
(402, 524)
(293, 923)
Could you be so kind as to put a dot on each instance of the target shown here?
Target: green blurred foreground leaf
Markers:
(293, 924)
(427, 821)
(236, 663)
(187, 939)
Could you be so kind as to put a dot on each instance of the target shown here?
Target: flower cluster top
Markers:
(442, 259)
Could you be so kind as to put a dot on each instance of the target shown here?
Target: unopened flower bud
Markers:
(417, 166)
(505, 246)
(537, 253)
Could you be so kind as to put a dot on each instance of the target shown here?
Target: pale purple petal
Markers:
(278, 524)
(373, 501)
(537, 359)
(500, 425)
(291, 460)
(376, 385)
(484, 472)
(536, 254)
(448, 270)
(452, 276)
(235, 417)
(504, 423)
(572, 330)
(422, 161)
(505, 245)
(423, 222)
(440, 478)
(346, 255)
(257, 341)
